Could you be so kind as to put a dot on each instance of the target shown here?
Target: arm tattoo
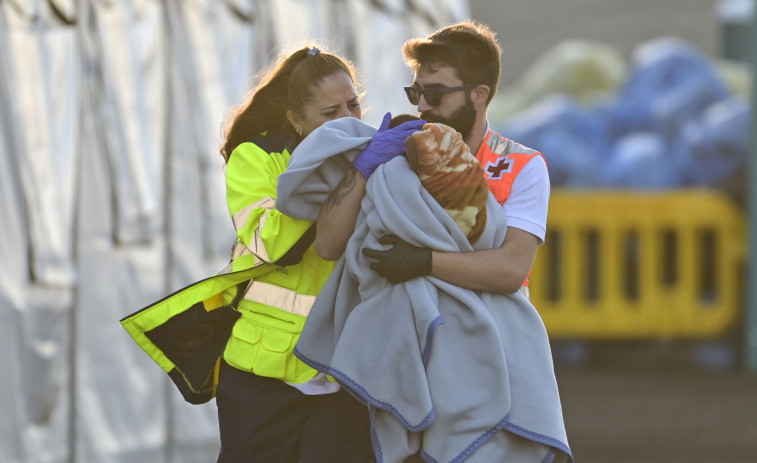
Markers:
(342, 190)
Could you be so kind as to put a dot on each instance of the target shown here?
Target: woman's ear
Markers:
(293, 120)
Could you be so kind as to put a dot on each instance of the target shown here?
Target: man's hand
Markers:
(401, 262)
(385, 145)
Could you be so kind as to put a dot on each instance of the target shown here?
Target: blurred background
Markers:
(112, 196)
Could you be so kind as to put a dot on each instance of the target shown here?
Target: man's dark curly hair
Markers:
(469, 47)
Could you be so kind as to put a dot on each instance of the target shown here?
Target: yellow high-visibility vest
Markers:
(275, 304)
(253, 312)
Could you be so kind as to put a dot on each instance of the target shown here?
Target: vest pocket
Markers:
(263, 340)
(242, 348)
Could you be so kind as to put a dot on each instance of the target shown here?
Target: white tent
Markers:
(112, 196)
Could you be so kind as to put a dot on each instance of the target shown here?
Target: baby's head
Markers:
(409, 142)
(402, 118)
(436, 149)
(453, 176)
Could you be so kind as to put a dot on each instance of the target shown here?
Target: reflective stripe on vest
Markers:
(240, 250)
(240, 220)
(241, 258)
(280, 298)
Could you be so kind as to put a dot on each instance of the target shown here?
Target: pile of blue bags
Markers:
(673, 122)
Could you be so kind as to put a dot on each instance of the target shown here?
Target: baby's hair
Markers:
(402, 118)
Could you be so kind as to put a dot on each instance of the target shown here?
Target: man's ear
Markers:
(293, 120)
(480, 94)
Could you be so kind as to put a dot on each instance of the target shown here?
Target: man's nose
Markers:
(423, 105)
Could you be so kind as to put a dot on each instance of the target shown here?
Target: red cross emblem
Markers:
(500, 166)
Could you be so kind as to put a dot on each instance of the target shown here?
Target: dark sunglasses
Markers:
(432, 95)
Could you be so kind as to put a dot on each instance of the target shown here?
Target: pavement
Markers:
(653, 402)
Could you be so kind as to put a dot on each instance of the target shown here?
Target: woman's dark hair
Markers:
(286, 85)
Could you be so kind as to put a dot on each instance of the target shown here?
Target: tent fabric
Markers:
(112, 196)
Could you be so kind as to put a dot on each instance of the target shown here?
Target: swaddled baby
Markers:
(452, 175)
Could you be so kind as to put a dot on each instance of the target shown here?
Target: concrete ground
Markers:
(654, 403)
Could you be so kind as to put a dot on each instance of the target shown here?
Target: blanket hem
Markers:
(348, 382)
(430, 331)
(535, 436)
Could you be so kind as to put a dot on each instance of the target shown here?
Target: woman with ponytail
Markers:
(271, 406)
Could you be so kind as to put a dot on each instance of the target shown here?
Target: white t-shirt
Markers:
(526, 207)
(317, 386)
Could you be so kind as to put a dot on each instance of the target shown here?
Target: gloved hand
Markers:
(401, 262)
(385, 145)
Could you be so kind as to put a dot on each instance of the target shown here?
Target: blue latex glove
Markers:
(385, 145)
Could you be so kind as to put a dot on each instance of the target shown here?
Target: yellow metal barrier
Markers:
(628, 265)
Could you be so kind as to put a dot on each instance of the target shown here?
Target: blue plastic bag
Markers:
(572, 140)
(718, 142)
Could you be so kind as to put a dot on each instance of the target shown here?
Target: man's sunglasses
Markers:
(433, 95)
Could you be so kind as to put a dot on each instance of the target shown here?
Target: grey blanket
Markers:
(448, 373)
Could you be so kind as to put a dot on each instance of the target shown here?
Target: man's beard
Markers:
(461, 120)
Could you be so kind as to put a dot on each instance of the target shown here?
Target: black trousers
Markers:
(264, 420)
